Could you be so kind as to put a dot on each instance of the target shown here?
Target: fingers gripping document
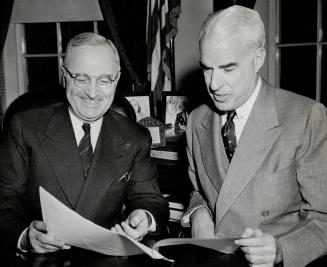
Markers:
(80, 232)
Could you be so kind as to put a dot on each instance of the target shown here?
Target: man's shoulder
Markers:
(198, 116)
(290, 105)
(199, 113)
(35, 115)
(126, 125)
(287, 97)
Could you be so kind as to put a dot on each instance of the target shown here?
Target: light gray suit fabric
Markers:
(277, 179)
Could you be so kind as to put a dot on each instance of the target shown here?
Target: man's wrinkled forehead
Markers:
(75, 54)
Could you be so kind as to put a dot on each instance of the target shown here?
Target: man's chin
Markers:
(223, 106)
(89, 117)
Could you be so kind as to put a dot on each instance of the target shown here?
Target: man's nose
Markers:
(92, 90)
(216, 81)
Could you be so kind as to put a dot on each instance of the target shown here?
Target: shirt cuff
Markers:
(186, 219)
(151, 221)
(20, 240)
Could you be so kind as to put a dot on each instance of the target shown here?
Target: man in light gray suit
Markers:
(259, 173)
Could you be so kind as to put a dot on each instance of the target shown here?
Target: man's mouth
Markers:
(90, 101)
(220, 97)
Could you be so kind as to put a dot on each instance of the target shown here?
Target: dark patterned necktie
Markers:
(85, 148)
(228, 134)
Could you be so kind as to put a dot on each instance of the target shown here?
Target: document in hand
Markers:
(80, 232)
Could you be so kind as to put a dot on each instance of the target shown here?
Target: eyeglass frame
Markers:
(75, 75)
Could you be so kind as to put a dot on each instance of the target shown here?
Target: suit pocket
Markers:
(122, 180)
(277, 192)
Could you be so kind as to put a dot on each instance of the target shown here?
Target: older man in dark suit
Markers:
(257, 157)
(91, 158)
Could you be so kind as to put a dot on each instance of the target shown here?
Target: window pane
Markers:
(298, 21)
(41, 38)
(298, 70)
(42, 72)
(70, 29)
(324, 76)
(324, 19)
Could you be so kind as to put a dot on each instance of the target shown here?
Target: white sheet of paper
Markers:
(80, 232)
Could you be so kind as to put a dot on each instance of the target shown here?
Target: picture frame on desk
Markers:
(156, 130)
(142, 104)
(175, 113)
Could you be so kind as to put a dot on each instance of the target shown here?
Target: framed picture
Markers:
(156, 129)
(175, 110)
(142, 104)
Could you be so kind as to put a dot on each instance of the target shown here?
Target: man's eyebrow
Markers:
(228, 65)
(224, 66)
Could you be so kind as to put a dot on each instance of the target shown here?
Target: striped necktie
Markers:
(85, 148)
(228, 134)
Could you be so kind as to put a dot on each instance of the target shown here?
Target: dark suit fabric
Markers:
(277, 179)
(40, 150)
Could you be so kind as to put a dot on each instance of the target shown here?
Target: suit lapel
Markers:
(58, 142)
(107, 166)
(258, 136)
(213, 155)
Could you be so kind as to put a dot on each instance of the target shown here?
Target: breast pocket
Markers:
(122, 179)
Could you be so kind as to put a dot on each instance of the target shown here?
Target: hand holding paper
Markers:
(136, 225)
(40, 239)
(259, 247)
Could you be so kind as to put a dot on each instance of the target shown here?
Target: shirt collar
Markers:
(78, 131)
(243, 111)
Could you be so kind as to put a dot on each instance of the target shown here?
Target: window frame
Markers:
(15, 59)
(274, 46)
(22, 71)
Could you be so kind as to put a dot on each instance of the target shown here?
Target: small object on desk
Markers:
(162, 154)
(156, 129)
(176, 209)
(171, 151)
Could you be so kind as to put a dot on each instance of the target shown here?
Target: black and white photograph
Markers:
(142, 105)
(175, 113)
(166, 133)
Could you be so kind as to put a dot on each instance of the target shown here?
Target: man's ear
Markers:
(259, 58)
(63, 77)
(117, 78)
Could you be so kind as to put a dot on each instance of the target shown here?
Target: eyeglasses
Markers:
(83, 80)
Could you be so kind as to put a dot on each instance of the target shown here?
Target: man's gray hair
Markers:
(91, 39)
(232, 21)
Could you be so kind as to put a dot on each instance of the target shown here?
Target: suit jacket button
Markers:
(265, 213)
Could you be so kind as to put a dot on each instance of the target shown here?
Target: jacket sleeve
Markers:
(196, 198)
(308, 240)
(13, 177)
(143, 192)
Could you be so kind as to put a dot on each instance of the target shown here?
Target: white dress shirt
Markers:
(79, 132)
(243, 112)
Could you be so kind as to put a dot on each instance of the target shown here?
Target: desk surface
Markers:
(184, 256)
(82, 258)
